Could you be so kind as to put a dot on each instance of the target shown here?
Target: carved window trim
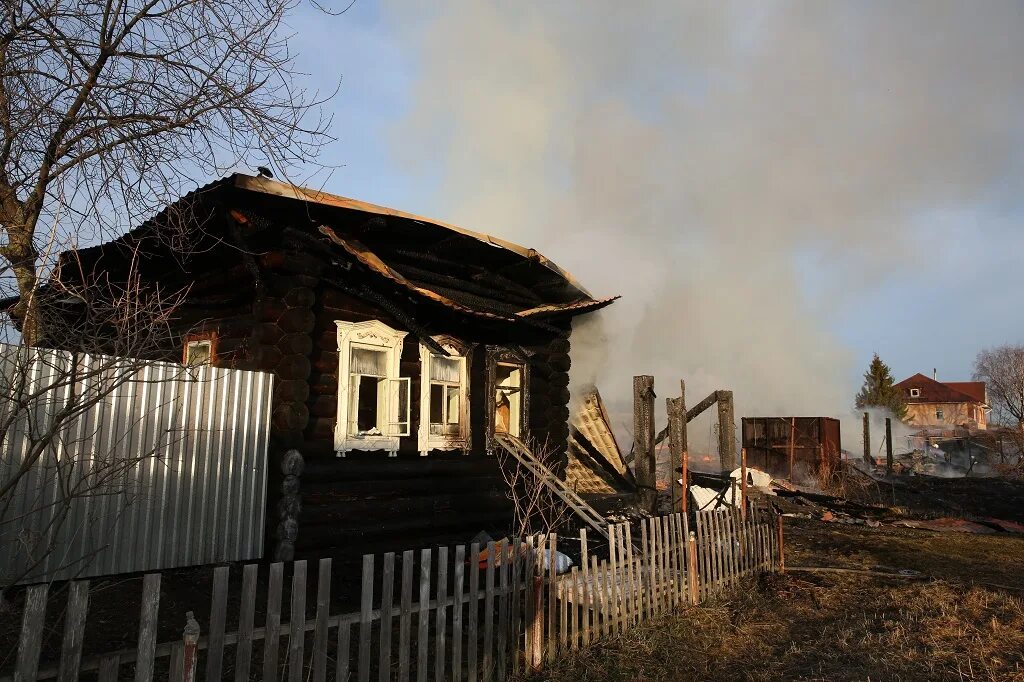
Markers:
(514, 356)
(427, 442)
(372, 334)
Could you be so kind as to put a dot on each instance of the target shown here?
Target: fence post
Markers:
(782, 553)
(190, 654)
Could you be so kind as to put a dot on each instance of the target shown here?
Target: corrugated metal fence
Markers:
(115, 465)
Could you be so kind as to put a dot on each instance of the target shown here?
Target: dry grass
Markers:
(821, 627)
(841, 626)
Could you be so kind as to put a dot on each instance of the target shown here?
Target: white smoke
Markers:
(713, 163)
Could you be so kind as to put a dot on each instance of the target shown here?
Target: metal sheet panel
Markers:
(128, 465)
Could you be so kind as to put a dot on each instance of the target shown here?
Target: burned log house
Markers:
(400, 345)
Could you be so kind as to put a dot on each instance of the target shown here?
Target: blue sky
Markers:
(878, 146)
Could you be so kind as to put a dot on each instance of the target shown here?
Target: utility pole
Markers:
(867, 439)
(888, 445)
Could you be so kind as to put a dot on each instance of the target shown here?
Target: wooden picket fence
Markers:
(433, 614)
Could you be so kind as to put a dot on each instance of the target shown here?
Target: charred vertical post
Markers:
(792, 445)
(676, 436)
(888, 445)
(726, 431)
(867, 439)
(643, 440)
(685, 454)
(743, 483)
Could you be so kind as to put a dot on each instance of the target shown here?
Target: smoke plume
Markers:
(736, 171)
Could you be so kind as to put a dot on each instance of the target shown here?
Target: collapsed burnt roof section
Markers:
(432, 261)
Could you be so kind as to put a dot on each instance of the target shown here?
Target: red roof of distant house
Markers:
(932, 391)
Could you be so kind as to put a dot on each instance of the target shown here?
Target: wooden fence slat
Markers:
(297, 623)
(681, 557)
(74, 631)
(585, 590)
(708, 554)
(472, 648)
(31, 639)
(552, 596)
(175, 670)
(343, 659)
(632, 576)
(613, 569)
(517, 594)
(503, 596)
(574, 610)
(731, 537)
(423, 617)
(365, 618)
(673, 557)
(656, 572)
(535, 628)
(405, 616)
(246, 616)
(109, 666)
(646, 590)
(442, 612)
(718, 551)
(563, 613)
(488, 657)
(670, 557)
(323, 612)
(659, 574)
(607, 628)
(670, 565)
(458, 580)
(699, 554)
(149, 611)
(271, 642)
(218, 619)
(387, 599)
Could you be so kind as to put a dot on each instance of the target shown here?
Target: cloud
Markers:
(687, 155)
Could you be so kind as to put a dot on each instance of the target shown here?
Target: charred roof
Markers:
(467, 271)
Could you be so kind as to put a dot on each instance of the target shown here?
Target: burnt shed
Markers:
(400, 346)
(791, 447)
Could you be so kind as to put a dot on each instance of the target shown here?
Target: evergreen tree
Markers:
(878, 390)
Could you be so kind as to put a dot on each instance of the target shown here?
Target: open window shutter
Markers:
(400, 391)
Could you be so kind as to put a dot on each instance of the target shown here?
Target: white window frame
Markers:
(915, 393)
(374, 335)
(427, 441)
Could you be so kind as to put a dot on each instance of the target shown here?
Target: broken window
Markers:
(444, 410)
(507, 398)
(373, 401)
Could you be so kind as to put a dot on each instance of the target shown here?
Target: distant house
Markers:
(950, 403)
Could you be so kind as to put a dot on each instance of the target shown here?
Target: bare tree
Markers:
(1002, 370)
(110, 108)
(535, 507)
(49, 463)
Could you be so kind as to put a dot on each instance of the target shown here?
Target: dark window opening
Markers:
(368, 405)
